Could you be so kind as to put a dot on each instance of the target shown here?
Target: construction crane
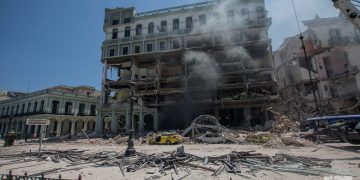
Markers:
(350, 10)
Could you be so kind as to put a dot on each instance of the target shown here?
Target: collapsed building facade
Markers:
(206, 58)
(69, 109)
(332, 46)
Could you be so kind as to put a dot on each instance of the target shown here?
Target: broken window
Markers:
(163, 26)
(55, 107)
(127, 31)
(176, 44)
(23, 109)
(112, 52)
(189, 23)
(35, 106)
(162, 46)
(335, 34)
(176, 24)
(42, 106)
(93, 110)
(137, 49)
(114, 34)
(149, 47)
(127, 20)
(81, 109)
(260, 12)
(150, 28)
(138, 29)
(125, 50)
(202, 19)
(230, 16)
(115, 22)
(68, 107)
(28, 108)
(17, 109)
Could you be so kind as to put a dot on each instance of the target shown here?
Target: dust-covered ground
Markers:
(345, 159)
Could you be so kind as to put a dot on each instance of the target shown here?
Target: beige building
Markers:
(206, 58)
(332, 45)
(69, 109)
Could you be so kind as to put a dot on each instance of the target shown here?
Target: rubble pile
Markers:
(242, 163)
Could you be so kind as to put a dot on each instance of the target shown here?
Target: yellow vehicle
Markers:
(164, 138)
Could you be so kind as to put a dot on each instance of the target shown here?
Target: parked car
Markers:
(164, 138)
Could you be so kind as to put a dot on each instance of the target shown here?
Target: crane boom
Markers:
(349, 10)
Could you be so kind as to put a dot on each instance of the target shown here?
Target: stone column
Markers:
(85, 125)
(23, 126)
(99, 123)
(141, 116)
(72, 131)
(2, 128)
(58, 129)
(247, 117)
(114, 123)
(7, 124)
(17, 126)
(36, 130)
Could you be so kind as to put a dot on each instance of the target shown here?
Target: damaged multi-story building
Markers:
(69, 109)
(205, 58)
(332, 46)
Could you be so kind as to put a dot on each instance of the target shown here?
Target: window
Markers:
(23, 109)
(115, 22)
(28, 108)
(12, 110)
(42, 106)
(216, 16)
(3, 111)
(162, 46)
(127, 20)
(151, 28)
(68, 107)
(260, 12)
(202, 19)
(230, 16)
(125, 50)
(176, 44)
(137, 49)
(81, 109)
(138, 29)
(218, 39)
(114, 34)
(163, 26)
(112, 52)
(7, 110)
(189, 23)
(335, 34)
(176, 24)
(149, 47)
(17, 109)
(245, 12)
(55, 107)
(127, 31)
(93, 110)
(320, 67)
(35, 106)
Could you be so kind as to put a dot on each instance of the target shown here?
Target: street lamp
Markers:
(130, 150)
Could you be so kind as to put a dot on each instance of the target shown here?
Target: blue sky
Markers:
(57, 42)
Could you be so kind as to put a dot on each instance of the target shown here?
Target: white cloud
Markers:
(283, 17)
